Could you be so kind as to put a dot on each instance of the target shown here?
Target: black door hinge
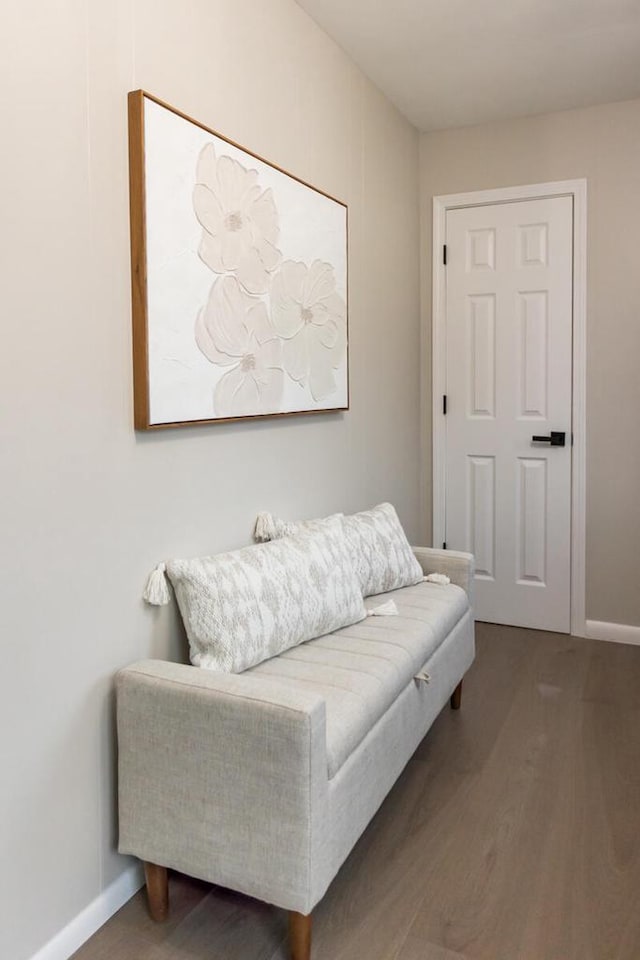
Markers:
(444, 404)
(444, 544)
(444, 254)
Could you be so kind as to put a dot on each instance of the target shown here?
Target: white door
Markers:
(508, 381)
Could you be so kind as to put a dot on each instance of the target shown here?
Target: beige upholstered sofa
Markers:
(263, 781)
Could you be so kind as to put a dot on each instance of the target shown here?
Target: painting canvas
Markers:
(239, 279)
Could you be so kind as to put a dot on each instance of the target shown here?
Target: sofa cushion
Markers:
(241, 607)
(361, 669)
(380, 551)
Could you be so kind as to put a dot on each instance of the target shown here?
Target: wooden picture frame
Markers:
(239, 279)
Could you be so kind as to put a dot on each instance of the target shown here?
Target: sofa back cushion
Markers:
(380, 551)
(242, 607)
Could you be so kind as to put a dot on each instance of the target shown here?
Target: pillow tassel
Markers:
(264, 528)
(156, 591)
(388, 609)
(440, 578)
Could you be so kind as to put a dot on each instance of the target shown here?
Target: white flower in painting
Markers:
(233, 330)
(310, 317)
(239, 220)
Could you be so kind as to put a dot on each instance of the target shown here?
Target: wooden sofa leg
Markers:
(300, 935)
(456, 697)
(157, 891)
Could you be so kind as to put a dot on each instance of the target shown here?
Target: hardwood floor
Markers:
(513, 834)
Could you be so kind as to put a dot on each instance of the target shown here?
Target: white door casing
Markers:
(503, 334)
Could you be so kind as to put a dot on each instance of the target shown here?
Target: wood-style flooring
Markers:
(513, 833)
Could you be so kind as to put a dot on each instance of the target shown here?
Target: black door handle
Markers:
(556, 439)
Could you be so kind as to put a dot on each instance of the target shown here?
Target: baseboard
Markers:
(85, 924)
(616, 632)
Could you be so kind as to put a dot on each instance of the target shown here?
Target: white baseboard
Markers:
(85, 924)
(616, 632)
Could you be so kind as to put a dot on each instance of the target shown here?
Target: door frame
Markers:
(577, 190)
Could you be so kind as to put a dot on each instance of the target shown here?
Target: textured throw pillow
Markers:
(380, 551)
(246, 606)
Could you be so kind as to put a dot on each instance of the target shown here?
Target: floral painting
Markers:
(244, 309)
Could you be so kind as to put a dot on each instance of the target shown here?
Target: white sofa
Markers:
(263, 781)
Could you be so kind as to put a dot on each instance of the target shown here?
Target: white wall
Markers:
(602, 144)
(88, 506)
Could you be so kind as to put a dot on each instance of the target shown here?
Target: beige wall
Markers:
(88, 507)
(603, 145)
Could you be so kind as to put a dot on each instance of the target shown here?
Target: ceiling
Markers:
(450, 63)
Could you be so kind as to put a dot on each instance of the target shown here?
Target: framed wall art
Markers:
(239, 279)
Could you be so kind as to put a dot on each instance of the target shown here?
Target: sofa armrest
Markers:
(458, 566)
(221, 776)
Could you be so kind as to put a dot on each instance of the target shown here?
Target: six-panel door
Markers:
(509, 351)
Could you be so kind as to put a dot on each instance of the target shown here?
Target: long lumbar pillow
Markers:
(243, 607)
(380, 551)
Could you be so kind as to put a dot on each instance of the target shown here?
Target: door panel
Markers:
(482, 496)
(531, 521)
(482, 387)
(532, 355)
(509, 323)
